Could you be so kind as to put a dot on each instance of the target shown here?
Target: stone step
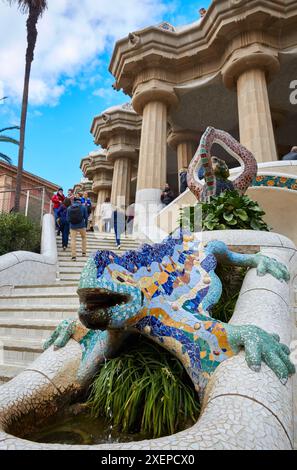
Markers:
(65, 281)
(20, 352)
(99, 242)
(68, 262)
(31, 329)
(102, 244)
(67, 257)
(29, 334)
(69, 288)
(67, 254)
(36, 300)
(8, 372)
(70, 269)
(66, 277)
(50, 312)
(105, 236)
(94, 249)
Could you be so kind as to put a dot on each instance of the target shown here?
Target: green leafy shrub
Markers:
(147, 390)
(17, 232)
(232, 278)
(228, 211)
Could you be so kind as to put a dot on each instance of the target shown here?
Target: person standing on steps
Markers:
(119, 223)
(71, 195)
(63, 224)
(86, 201)
(106, 214)
(183, 184)
(77, 217)
(57, 200)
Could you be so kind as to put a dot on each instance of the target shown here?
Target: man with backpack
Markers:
(77, 216)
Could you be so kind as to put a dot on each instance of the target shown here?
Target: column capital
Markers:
(85, 166)
(102, 180)
(118, 131)
(123, 145)
(254, 56)
(98, 169)
(153, 90)
(116, 121)
(181, 136)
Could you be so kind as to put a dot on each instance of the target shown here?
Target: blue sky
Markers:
(70, 78)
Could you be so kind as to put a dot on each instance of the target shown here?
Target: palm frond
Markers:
(25, 5)
(6, 158)
(12, 128)
(7, 139)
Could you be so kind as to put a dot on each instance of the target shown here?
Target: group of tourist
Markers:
(72, 216)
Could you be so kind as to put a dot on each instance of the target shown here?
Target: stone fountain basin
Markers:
(241, 409)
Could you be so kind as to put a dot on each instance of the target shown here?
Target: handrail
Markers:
(24, 267)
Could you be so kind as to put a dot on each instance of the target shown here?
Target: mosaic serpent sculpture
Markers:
(211, 165)
(166, 292)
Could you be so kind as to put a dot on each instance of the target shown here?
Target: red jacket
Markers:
(57, 199)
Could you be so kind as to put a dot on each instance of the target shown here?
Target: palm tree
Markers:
(34, 9)
(7, 139)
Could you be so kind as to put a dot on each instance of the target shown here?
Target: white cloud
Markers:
(72, 35)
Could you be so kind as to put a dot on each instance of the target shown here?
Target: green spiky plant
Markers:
(228, 211)
(145, 390)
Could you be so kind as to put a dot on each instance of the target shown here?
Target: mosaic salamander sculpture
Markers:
(166, 292)
(215, 171)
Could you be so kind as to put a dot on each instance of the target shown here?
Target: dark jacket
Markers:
(183, 183)
(62, 214)
(167, 197)
(84, 222)
(118, 221)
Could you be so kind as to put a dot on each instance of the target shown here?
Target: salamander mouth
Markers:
(95, 305)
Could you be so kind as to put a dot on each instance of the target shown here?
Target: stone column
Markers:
(117, 130)
(255, 122)
(185, 153)
(121, 181)
(185, 142)
(153, 151)
(248, 70)
(152, 103)
(96, 168)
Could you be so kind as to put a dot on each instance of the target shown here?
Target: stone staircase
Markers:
(29, 313)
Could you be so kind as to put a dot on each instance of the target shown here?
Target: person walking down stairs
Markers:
(62, 222)
(77, 216)
(119, 225)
